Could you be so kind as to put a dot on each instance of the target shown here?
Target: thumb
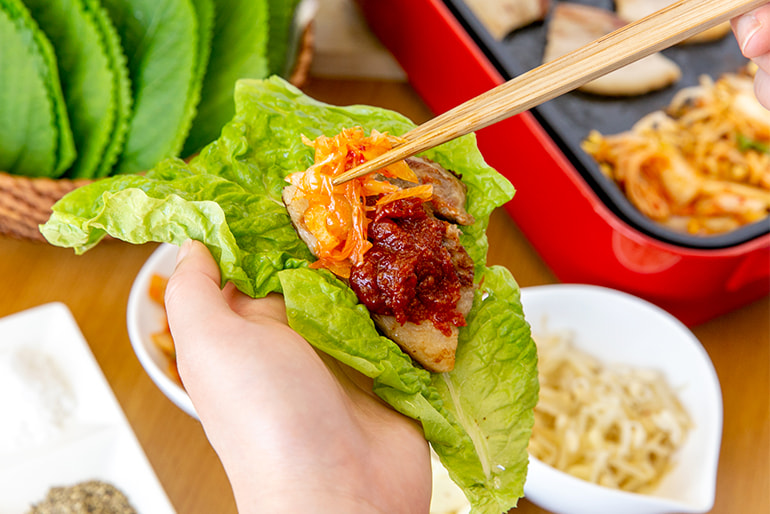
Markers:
(752, 30)
(193, 295)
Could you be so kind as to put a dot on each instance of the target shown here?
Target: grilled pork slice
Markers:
(404, 265)
(449, 192)
(432, 345)
(633, 10)
(575, 25)
(501, 17)
(296, 205)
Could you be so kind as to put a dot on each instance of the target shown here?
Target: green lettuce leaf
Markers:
(88, 82)
(161, 42)
(206, 16)
(121, 87)
(493, 390)
(238, 50)
(340, 326)
(479, 416)
(135, 208)
(281, 36)
(34, 127)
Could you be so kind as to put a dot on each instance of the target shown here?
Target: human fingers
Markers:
(193, 296)
(196, 308)
(224, 359)
(752, 30)
(762, 87)
(270, 308)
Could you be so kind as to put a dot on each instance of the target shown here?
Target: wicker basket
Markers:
(26, 202)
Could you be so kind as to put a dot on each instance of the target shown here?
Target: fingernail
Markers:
(184, 250)
(747, 26)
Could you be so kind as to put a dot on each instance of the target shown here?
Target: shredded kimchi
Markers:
(337, 214)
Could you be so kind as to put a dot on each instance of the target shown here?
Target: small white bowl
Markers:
(616, 327)
(144, 317)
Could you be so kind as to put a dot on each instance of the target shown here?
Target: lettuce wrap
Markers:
(478, 417)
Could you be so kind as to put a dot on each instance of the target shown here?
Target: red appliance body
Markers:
(575, 233)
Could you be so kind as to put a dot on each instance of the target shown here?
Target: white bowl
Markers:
(616, 327)
(144, 317)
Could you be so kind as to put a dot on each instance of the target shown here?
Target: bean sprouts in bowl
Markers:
(624, 332)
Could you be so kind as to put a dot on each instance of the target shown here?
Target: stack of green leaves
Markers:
(91, 88)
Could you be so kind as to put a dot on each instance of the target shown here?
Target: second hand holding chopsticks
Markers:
(631, 42)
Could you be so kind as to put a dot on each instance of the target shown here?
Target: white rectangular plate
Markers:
(95, 443)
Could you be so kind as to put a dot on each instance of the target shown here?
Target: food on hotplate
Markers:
(701, 165)
(633, 10)
(501, 17)
(572, 26)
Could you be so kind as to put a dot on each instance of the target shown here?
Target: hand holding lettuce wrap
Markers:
(477, 417)
(296, 430)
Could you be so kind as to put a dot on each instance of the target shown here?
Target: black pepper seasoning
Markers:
(89, 497)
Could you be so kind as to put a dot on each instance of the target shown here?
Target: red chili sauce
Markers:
(409, 273)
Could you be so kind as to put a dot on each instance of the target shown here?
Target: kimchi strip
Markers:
(337, 214)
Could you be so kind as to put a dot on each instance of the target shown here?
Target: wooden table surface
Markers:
(95, 287)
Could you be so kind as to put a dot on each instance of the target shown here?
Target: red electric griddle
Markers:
(578, 220)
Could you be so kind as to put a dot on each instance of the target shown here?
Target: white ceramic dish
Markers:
(145, 317)
(617, 327)
(92, 441)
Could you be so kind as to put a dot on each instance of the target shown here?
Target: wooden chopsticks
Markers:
(631, 42)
